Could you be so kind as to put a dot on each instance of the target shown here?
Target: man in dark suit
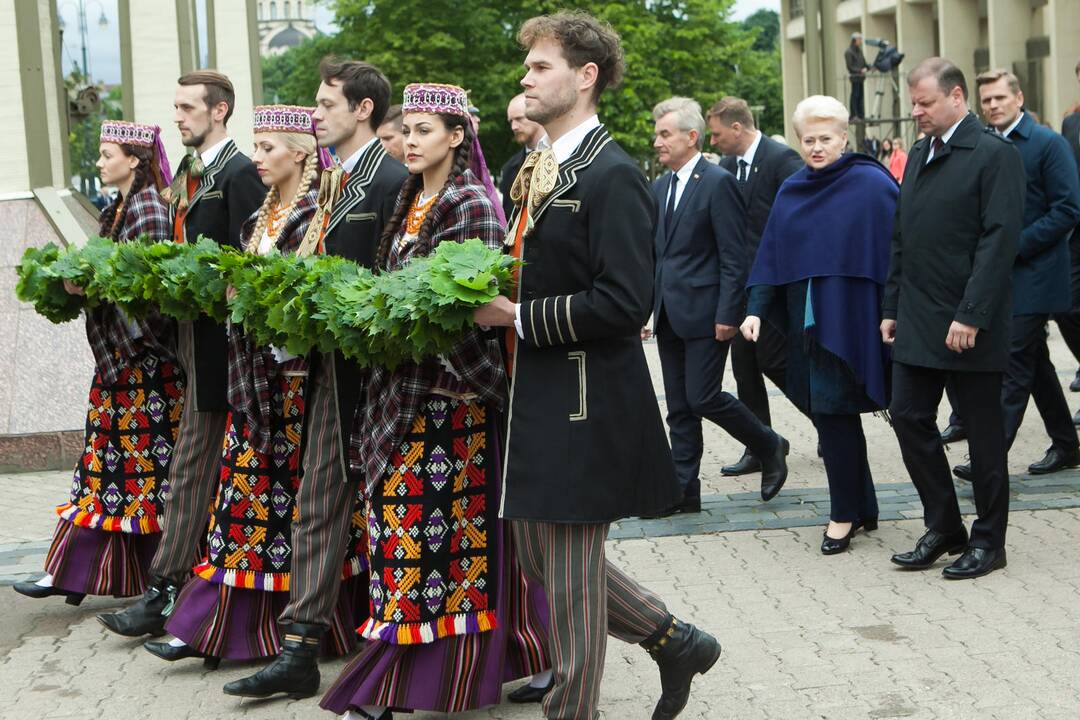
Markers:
(1069, 322)
(585, 443)
(1041, 273)
(947, 313)
(857, 68)
(526, 134)
(214, 192)
(760, 165)
(350, 105)
(698, 302)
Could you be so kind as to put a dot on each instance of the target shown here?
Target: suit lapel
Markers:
(751, 183)
(206, 183)
(356, 188)
(585, 153)
(688, 195)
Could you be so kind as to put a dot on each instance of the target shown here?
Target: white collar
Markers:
(349, 164)
(751, 151)
(1008, 130)
(210, 155)
(687, 169)
(565, 146)
(949, 133)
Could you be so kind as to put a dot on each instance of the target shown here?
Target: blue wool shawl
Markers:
(834, 228)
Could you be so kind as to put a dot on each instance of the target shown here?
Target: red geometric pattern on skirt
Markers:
(131, 427)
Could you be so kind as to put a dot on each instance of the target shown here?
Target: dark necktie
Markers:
(670, 211)
(743, 165)
(938, 146)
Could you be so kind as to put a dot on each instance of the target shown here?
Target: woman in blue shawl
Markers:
(818, 276)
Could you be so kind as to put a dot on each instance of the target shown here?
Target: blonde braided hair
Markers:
(300, 142)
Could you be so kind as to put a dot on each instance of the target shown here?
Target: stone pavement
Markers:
(805, 636)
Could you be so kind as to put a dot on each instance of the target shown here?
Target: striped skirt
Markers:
(108, 531)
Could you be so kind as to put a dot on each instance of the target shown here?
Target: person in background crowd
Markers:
(108, 531)
(526, 134)
(1069, 323)
(389, 134)
(947, 313)
(897, 159)
(820, 273)
(857, 67)
(760, 166)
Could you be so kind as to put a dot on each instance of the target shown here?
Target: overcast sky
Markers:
(103, 43)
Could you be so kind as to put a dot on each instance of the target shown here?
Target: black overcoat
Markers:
(585, 440)
(229, 191)
(1070, 128)
(954, 244)
(356, 224)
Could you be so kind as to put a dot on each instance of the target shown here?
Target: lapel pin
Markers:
(696, 176)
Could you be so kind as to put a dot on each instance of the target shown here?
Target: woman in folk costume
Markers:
(108, 532)
(450, 617)
(229, 609)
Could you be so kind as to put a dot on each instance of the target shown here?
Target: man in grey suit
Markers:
(701, 268)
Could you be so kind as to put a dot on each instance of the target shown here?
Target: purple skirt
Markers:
(100, 562)
(242, 624)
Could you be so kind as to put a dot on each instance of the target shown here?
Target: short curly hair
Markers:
(584, 39)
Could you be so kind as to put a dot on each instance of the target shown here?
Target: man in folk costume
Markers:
(356, 198)
(585, 442)
(214, 192)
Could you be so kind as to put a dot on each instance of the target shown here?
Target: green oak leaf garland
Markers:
(316, 303)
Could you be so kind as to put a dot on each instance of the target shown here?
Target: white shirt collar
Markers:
(687, 169)
(949, 133)
(751, 151)
(565, 146)
(210, 155)
(1012, 127)
(349, 164)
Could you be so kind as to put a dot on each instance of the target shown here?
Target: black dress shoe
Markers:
(529, 694)
(690, 505)
(833, 546)
(1076, 418)
(294, 672)
(147, 615)
(1055, 460)
(172, 653)
(930, 548)
(774, 470)
(975, 562)
(683, 652)
(963, 471)
(33, 590)
(954, 433)
(747, 465)
(1075, 384)
(384, 715)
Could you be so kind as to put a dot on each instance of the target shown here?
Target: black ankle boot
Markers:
(294, 672)
(682, 652)
(148, 614)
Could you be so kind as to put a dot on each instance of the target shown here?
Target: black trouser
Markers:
(916, 396)
(851, 486)
(1069, 325)
(752, 362)
(1031, 375)
(693, 372)
(857, 109)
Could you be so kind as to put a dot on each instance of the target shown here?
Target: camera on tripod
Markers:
(888, 57)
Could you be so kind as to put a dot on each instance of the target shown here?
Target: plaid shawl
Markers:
(252, 369)
(108, 330)
(395, 396)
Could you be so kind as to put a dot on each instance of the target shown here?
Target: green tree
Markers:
(84, 133)
(672, 47)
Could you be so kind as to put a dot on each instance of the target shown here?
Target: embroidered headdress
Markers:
(435, 98)
(147, 136)
(289, 118)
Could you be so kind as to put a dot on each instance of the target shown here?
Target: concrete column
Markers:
(834, 41)
(1009, 25)
(915, 38)
(151, 63)
(791, 67)
(235, 34)
(1062, 89)
(815, 83)
(958, 36)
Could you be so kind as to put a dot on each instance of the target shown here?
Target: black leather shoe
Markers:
(774, 470)
(294, 672)
(33, 590)
(833, 546)
(172, 653)
(683, 652)
(746, 465)
(963, 471)
(975, 562)
(691, 505)
(1075, 384)
(149, 613)
(529, 694)
(954, 433)
(385, 715)
(1076, 418)
(1055, 460)
(930, 548)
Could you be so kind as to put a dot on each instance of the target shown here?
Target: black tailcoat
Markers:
(958, 222)
(229, 191)
(585, 442)
(356, 224)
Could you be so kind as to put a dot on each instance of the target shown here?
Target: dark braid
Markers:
(462, 158)
(110, 224)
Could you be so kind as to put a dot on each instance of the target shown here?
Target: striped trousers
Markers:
(588, 599)
(193, 475)
(325, 503)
